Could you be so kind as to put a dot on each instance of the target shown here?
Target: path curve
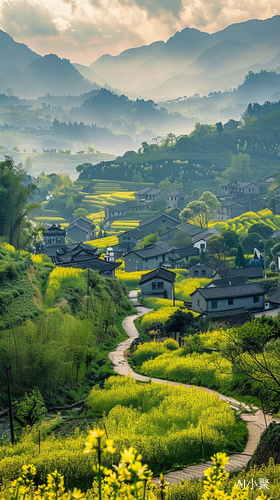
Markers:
(255, 422)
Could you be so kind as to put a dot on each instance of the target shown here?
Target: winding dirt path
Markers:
(255, 421)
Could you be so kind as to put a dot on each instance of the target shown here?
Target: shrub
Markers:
(171, 344)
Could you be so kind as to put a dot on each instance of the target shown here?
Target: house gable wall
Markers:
(157, 287)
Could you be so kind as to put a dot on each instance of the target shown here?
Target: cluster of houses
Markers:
(240, 197)
(145, 199)
(229, 299)
(78, 254)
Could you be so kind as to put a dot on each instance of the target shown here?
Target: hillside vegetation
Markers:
(198, 158)
(54, 335)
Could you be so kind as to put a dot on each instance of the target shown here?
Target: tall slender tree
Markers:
(14, 195)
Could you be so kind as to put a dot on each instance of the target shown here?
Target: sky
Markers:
(83, 30)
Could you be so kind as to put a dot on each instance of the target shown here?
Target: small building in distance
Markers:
(81, 229)
(126, 242)
(240, 188)
(177, 198)
(251, 273)
(236, 280)
(202, 269)
(216, 299)
(118, 211)
(54, 239)
(150, 195)
(158, 283)
(149, 257)
(160, 222)
(84, 256)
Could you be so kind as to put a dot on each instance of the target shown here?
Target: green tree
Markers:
(178, 322)
(80, 211)
(219, 127)
(181, 239)
(231, 238)
(211, 201)
(253, 240)
(14, 194)
(148, 240)
(166, 184)
(137, 178)
(81, 168)
(201, 211)
(262, 229)
(240, 259)
(240, 169)
(29, 409)
(216, 248)
(197, 213)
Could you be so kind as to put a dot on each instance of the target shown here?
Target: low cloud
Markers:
(83, 31)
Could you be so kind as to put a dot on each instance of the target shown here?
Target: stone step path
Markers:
(255, 420)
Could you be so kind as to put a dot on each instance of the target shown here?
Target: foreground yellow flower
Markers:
(94, 438)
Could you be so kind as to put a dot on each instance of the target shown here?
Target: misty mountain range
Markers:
(193, 61)
(189, 62)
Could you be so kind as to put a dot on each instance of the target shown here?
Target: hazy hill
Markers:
(48, 74)
(115, 70)
(196, 159)
(14, 55)
(204, 57)
(123, 115)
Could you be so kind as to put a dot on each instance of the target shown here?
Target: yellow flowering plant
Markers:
(215, 479)
(128, 480)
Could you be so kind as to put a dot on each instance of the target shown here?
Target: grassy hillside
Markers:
(54, 335)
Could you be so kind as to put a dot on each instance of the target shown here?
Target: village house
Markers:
(251, 273)
(81, 229)
(160, 222)
(54, 239)
(216, 299)
(158, 283)
(118, 211)
(180, 255)
(126, 242)
(274, 299)
(150, 195)
(200, 239)
(84, 256)
(240, 188)
(236, 280)
(149, 257)
(77, 255)
(177, 199)
(231, 208)
(202, 269)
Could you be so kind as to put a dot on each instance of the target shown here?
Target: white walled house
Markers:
(214, 299)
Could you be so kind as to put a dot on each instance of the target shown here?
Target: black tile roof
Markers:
(250, 272)
(126, 205)
(204, 262)
(190, 229)
(225, 292)
(231, 318)
(157, 216)
(187, 251)
(158, 273)
(275, 297)
(77, 248)
(153, 250)
(95, 264)
(235, 280)
(54, 230)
